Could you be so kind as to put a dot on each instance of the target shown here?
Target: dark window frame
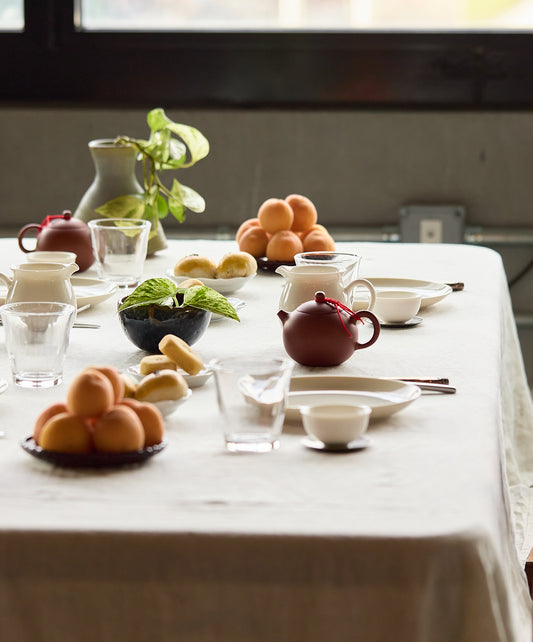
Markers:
(53, 64)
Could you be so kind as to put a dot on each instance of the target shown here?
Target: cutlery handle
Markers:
(437, 387)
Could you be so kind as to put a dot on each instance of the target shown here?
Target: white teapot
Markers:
(40, 282)
(302, 281)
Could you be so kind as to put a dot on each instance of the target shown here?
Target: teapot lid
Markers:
(322, 304)
(62, 221)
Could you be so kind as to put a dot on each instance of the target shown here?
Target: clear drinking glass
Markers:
(346, 262)
(119, 247)
(37, 337)
(252, 397)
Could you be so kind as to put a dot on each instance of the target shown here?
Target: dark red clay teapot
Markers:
(322, 332)
(62, 233)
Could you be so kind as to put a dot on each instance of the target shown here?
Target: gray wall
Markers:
(358, 167)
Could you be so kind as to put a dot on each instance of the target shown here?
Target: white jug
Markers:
(40, 282)
(303, 281)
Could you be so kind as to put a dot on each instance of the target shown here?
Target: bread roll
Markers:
(181, 354)
(236, 264)
(165, 385)
(155, 362)
(196, 266)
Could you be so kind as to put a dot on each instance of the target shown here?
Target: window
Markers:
(269, 53)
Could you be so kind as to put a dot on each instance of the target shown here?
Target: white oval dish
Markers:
(193, 381)
(430, 291)
(224, 286)
(384, 396)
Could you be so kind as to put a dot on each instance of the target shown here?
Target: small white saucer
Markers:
(404, 324)
(357, 444)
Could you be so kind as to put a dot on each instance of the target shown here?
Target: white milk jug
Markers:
(40, 282)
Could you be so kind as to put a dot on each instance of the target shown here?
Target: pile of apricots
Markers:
(283, 228)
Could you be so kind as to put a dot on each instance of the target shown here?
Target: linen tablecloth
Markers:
(413, 539)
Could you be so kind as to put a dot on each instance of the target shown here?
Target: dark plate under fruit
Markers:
(90, 460)
(270, 266)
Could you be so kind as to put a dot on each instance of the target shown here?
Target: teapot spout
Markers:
(284, 270)
(283, 316)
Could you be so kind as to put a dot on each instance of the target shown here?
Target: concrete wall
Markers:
(358, 167)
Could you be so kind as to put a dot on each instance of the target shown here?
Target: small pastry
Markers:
(154, 362)
(181, 353)
(236, 264)
(188, 283)
(196, 266)
(165, 385)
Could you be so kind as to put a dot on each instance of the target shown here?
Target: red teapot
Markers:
(62, 233)
(322, 332)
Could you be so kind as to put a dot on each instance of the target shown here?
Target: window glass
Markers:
(302, 14)
(11, 15)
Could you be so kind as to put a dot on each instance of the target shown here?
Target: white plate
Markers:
(430, 291)
(91, 291)
(384, 396)
(224, 286)
(88, 291)
(193, 381)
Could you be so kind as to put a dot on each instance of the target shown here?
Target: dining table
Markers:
(419, 537)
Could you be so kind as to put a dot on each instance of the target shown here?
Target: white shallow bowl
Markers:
(169, 407)
(193, 381)
(334, 424)
(224, 286)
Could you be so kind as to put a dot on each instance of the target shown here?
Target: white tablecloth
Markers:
(410, 540)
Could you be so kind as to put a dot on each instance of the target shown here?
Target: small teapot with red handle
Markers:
(322, 332)
(62, 233)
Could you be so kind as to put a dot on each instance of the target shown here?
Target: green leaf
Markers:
(194, 139)
(157, 119)
(200, 296)
(191, 199)
(158, 291)
(162, 206)
(177, 209)
(129, 206)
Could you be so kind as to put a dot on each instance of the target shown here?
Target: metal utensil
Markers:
(78, 325)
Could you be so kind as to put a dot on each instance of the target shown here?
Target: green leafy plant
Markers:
(171, 146)
(161, 291)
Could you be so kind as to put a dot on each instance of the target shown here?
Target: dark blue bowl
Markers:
(146, 325)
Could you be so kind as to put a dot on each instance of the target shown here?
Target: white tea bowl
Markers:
(50, 256)
(335, 424)
(396, 306)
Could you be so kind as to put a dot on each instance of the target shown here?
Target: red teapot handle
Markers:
(21, 234)
(375, 323)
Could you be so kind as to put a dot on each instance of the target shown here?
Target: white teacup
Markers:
(49, 256)
(335, 424)
(396, 306)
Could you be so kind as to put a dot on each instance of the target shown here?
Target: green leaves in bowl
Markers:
(162, 291)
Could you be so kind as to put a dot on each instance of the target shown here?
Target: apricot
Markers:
(66, 433)
(314, 228)
(151, 419)
(254, 240)
(283, 246)
(317, 241)
(46, 414)
(90, 394)
(116, 379)
(245, 226)
(118, 430)
(275, 215)
(304, 211)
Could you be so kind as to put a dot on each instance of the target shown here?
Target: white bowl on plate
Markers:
(396, 306)
(224, 286)
(334, 424)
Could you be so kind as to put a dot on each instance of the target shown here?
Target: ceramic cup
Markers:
(37, 337)
(396, 306)
(44, 256)
(335, 424)
(252, 397)
(119, 247)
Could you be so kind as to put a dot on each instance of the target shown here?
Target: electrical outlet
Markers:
(432, 224)
(430, 230)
